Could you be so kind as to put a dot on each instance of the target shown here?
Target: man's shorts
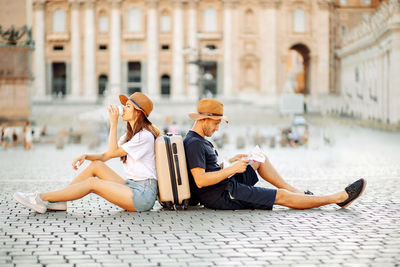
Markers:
(144, 193)
(241, 193)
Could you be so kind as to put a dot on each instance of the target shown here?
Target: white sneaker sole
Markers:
(57, 206)
(22, 201)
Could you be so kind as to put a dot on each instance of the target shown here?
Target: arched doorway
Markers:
(297, 70)
(165, 85)
(103, 79)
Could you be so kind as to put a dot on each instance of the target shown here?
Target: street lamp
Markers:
(196, 55)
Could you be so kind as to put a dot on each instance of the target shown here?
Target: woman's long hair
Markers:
(141, 123)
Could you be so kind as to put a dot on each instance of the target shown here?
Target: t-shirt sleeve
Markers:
(195, 155)
(140, 144)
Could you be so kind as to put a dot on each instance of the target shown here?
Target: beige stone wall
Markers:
(322, 35)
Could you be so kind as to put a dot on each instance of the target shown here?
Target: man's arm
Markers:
(203, 178)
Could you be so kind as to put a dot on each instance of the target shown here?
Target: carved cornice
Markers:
(270, 3)
(115, 3)
(325, 4)
(89, 3)
(230, 3)
(38, 4)
(152, 3)
(75, 3)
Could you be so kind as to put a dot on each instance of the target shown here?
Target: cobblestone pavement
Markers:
(95, 233)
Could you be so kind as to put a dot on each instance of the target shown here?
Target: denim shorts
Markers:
(144, 193)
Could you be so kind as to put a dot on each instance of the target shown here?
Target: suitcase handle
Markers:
(171, 169)
(177, 169)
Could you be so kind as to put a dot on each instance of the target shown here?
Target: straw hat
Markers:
(209, 108)
(140, 101)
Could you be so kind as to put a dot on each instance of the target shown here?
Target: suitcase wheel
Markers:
(168, 205)
(186, 204)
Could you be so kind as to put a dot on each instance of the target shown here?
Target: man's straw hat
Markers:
(209, 108)
(140, 102)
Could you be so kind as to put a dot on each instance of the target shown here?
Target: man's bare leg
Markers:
(301, 201)
(269, 174)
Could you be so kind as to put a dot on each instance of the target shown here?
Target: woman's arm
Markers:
(113, 150)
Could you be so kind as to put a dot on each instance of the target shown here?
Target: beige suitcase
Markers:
(173, 181)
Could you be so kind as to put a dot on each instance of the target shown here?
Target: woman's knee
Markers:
(96, 163)
(92, 183)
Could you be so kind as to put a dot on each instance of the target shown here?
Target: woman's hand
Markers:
(237, 157)
(78, 160)
(113, 113)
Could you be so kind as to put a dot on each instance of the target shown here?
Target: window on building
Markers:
(343, 2)
(59, 21)
(356, 75)
(366, 2)
(102, 47)
(134, 77)
(103, 24)
(165, 85)
(135, 20)
(102, 81)
(164, 47)
(58, 48)
(299, 24)
(210, 20)
(343, 31)
(165, 22)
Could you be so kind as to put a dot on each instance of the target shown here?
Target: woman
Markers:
(136, 150)
(28, 136)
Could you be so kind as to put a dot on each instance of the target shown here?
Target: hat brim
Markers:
(197, 116)
(123, 99)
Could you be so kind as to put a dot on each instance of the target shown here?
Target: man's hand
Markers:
(240, 166)
(237, 157)
(113, 113)
(78, 160)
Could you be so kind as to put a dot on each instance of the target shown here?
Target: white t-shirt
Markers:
(140, 163)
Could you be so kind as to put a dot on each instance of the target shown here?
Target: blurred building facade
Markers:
(369, 70)
(181, 49)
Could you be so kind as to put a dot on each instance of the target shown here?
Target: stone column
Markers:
(394, 77)
(323, 47)
(178, 62)
(152, 50)
(228, 53)
(90, 53)
(114, 87)
(39, 61)
(75, 49)
(193, 69)
(269, 48)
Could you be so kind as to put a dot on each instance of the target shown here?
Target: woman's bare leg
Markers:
(98, 169)
(301, 201)
(116, 193)
(269, 174)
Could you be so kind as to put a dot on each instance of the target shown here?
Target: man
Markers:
(233, 187)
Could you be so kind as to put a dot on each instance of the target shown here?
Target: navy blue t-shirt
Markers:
(201, 153)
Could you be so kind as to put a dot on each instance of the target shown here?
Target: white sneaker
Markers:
(32, 201)
(61, 205)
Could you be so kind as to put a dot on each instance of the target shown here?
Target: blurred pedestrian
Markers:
(5, 136)
(28, 138)
(138, 192)
(14, 138)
